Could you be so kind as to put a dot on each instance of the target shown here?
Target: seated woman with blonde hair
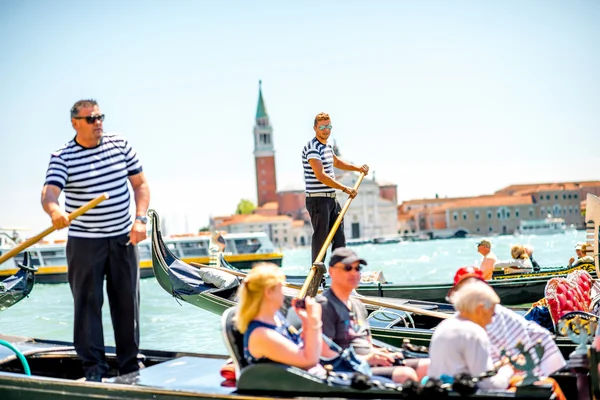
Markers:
(519, 264)
(267, 334)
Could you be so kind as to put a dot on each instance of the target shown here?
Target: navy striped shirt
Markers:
(324, 153)
(85, 173)
(509, 328)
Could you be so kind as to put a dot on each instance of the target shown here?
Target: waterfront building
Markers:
(499, 213)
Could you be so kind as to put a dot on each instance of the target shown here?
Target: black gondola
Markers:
(18, 286)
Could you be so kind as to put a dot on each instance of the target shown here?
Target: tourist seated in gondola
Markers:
(461, 345)
(484, 248)
(529, 250)
(267, 334)
(345, 321)
(509, 328)
(578, 254)
(519, 264)
(584, 257)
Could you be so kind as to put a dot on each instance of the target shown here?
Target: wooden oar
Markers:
(317, 263)
(377, 303)
(403, 307)
(31, 241)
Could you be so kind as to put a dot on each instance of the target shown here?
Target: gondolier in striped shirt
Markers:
(318, 160)
(102, 243)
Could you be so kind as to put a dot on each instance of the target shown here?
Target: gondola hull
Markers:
(18, 286)
(56, 371)
(511, 292)
(513, 289)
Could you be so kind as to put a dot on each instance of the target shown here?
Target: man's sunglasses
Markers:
(323, 127)
(92, 118)
(349, 268)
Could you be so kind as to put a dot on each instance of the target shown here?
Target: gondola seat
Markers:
(569, 294)
(234, 340)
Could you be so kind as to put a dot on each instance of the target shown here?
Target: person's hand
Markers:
(311, 314)
(138, 232)
(395, 354)
(571, 260)
(60, 219)
(350, 192)
(379, 358)
(364, 169)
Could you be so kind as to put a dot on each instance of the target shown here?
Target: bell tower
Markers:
(264, 154)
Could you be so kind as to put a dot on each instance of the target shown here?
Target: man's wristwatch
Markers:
(142, 218)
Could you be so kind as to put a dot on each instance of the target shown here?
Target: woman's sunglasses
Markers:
(91, 119)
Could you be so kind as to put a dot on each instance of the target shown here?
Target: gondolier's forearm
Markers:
(141, 192)
(50, 195)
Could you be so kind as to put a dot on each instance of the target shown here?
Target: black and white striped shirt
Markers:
(85, 173)
(323, 153)
(509, 328)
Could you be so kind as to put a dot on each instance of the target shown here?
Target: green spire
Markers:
(261, 110)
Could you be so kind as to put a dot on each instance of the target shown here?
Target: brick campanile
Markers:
(264, 154)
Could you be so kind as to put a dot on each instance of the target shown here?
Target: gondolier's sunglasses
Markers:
(323, 127)
(349, 268)
(91, 119)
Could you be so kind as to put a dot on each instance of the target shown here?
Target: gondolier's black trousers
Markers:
(323, 212)
(89, 262)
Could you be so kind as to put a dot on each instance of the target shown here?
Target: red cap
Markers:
(467, 272)
(462, 274)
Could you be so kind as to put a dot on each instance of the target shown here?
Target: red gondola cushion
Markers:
(568, 294)
(228, 371)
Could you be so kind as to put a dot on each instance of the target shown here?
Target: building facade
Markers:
(499, 213)
(282, 230)
(370, 215)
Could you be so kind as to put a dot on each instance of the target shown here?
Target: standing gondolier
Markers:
(318, 160)
(102, 243)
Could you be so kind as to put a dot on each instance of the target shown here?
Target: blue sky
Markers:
(450, 97)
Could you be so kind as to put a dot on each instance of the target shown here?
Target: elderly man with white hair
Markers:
(461, 345)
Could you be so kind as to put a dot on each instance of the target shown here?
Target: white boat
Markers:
(242, 250)
(547, 226)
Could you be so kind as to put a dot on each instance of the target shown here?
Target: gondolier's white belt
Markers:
(327, 194)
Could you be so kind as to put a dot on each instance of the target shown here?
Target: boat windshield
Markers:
(247, 246)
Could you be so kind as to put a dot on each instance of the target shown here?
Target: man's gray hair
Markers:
(81, 104)
(471, 294)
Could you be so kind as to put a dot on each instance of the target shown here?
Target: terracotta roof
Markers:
(272, 205)
(434, 200)
(539, 187)
(490, 201)
(298, 222)
(252, 218)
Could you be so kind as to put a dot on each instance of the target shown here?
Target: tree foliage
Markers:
(245, 207)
